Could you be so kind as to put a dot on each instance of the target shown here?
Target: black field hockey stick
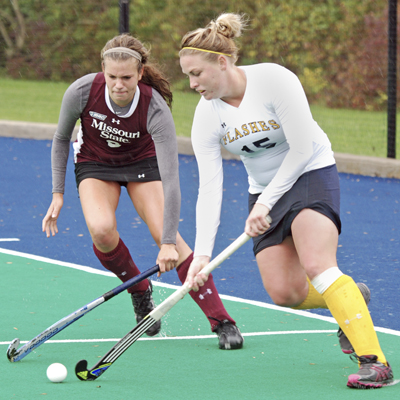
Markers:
(118, 349)
(14, 354)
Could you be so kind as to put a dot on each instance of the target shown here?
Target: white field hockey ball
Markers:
(56, 372)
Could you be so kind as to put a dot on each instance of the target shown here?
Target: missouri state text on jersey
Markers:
(114, 135)
(109, 138)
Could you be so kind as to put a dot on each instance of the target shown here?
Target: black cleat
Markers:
(143, 304)
(229, 335)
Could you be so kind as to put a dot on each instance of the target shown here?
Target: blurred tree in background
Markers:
(62, 40)
(338, 48)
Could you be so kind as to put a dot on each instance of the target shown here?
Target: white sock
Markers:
(326, 279)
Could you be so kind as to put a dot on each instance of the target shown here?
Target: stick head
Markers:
(12, 349)
(81, 370)
(84, 374)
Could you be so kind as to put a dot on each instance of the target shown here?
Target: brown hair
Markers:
(152, 75)
(218, 36)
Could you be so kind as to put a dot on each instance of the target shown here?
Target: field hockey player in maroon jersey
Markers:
(127, 139)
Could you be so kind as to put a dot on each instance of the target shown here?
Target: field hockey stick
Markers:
(14, 354)
(118, 349)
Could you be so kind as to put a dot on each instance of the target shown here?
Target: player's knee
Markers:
(315, 264)
(285, 298)
(313, 268)
(103, 236)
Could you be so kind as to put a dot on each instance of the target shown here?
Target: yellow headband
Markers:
(206, 51)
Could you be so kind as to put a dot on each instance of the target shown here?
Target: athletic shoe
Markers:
(229, 335)
(372, 374)
(345, 344)
(143, 304)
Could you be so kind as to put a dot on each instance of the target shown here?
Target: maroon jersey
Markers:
(107, 138)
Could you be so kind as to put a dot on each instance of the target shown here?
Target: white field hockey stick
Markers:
(118, 349)
(14, 354)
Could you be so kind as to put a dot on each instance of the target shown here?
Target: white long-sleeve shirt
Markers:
(274, 133)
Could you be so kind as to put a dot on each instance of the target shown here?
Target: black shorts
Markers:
(141, 171)
(318, 190)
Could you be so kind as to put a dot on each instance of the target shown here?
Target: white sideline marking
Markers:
(169, 286)
(183, 337)
(395, 382)
(56, 262)
(9, 240)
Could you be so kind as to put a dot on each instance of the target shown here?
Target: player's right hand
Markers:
(195, 277)
(49, 223)
(258, 221)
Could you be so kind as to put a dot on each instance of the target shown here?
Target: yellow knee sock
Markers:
(313, 299)
(348, 307)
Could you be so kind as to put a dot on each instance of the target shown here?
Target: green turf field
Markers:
(287, 354)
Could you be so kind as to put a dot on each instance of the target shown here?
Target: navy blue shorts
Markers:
(141, 171)
(318, 190)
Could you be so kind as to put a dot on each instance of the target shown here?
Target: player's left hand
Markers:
(257, 222)
(167, 258)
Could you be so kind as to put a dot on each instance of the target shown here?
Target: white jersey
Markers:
(272, 130)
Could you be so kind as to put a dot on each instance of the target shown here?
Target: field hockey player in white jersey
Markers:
(261, 113)
(127, 139)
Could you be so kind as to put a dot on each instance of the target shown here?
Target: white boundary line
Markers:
(167, 285)
(50, 261)
(182, 337)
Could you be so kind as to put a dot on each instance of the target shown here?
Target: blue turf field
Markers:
(369, 245)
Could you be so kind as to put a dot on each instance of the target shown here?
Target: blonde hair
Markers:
(152, 75)
(217, 38)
